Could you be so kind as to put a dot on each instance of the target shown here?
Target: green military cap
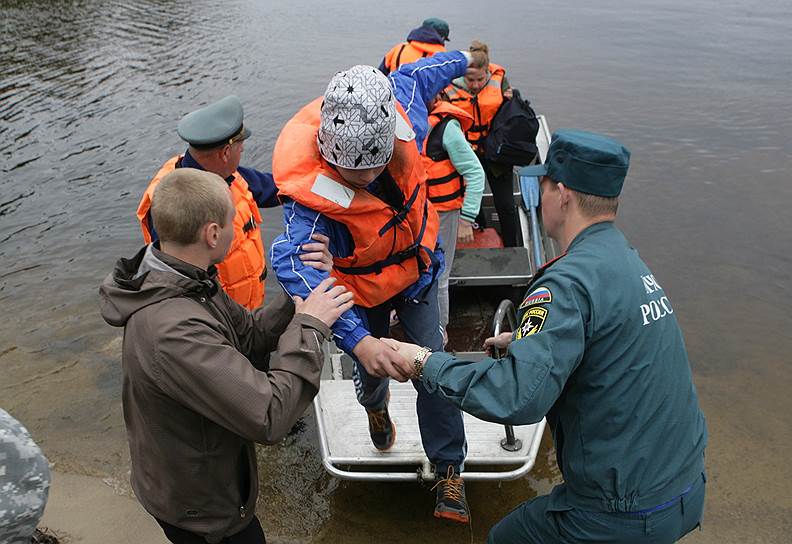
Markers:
(439, 25)
(584, 161)
(216, 124)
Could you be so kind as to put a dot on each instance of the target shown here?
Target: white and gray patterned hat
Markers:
(358, 119)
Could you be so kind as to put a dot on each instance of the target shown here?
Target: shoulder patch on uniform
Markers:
(333, 191)
(404, 132)
(540, 295)
(532, 321)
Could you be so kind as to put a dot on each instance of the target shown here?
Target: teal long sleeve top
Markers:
(468, 165)
(598, 351)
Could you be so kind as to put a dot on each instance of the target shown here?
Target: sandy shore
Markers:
(86, 510)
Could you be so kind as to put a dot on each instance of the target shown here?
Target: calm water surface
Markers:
(91, 91)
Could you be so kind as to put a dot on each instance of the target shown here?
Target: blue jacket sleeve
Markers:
(522, 387)
(298, 279)
(262, 185)
(416, 84)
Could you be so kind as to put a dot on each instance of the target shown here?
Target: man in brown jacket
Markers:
(198, 386)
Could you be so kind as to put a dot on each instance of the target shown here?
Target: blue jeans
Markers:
(440, 422)
(536, 522)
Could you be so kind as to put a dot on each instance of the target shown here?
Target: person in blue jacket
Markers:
(360, 122)
(599, 352)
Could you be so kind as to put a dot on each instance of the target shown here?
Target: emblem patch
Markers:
(541, 295)
(532, 322)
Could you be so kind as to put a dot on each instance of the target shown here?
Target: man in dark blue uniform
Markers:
(599, 352)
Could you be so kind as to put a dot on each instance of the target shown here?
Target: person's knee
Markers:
(501, 532)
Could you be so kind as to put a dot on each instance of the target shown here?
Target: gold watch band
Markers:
(418, 362)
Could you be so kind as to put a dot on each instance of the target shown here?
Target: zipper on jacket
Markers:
(242, 511)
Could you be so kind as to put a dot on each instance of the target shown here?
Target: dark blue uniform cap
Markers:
(586, 162)
(215, 125)
(439, 25)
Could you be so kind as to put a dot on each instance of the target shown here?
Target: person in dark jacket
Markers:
(198, 386)
(424, 41)
(599, 352)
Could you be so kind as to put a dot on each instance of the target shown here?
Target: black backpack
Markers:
(512, 136)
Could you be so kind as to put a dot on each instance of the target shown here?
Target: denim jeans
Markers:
(440, 422)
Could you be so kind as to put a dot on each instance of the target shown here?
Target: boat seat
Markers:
(491, 266)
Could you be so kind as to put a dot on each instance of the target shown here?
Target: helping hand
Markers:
(318, 253)
(465, 231)
(382, 360)
(501, 341)
(408, 351)
(326, 303)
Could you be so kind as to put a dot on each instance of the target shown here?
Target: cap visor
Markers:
(537, 170)
(245, 133)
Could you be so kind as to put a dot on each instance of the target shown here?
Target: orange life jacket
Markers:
(407, 52)
(482, 106)
(446, 185)
(392, 246)
(243, 270)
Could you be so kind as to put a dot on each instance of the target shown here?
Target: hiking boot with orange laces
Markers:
(451, 501)
(381, 428)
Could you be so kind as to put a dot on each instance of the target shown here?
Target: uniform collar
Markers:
(589, 231)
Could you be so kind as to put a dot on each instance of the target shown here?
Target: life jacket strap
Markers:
(445, 179)
(447, 198)
(414, 251)
(402, 214)
(376, 268)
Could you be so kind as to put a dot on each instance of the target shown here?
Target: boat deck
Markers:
(348, 452)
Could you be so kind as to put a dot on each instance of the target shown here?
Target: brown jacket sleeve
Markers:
(196, 365)
(259, 330)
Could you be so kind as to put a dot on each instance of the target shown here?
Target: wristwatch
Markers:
(418, 363)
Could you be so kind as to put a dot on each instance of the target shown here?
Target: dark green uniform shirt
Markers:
(599, 352)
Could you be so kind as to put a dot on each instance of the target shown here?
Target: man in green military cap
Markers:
(216, 137)
(599, 352)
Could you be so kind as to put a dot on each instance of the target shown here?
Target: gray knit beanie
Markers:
(358, 120)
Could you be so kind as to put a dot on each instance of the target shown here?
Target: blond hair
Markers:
(480, 51)
(186, 200)
(594, 205)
